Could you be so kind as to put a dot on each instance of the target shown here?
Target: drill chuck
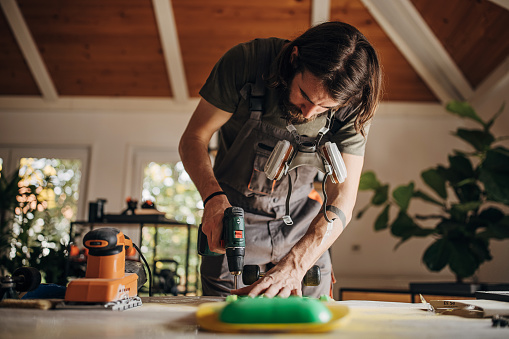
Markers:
(235, 257)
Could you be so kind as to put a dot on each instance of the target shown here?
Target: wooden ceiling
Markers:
(430, 50)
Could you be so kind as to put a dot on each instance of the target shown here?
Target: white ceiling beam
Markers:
(171, 49)
(29, 49)
(502, 3)
(320, 11)
(413, 37)
(495, 84)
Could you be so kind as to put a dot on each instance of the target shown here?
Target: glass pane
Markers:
(48, 202)
(169, 186)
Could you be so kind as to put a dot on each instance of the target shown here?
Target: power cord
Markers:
(148, 268)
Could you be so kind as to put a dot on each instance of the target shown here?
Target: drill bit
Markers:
(235, 278)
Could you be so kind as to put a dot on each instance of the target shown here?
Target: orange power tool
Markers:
(105, 284)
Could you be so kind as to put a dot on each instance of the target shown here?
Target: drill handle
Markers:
(203, 244)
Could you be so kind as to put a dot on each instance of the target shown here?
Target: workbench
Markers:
(174, 317)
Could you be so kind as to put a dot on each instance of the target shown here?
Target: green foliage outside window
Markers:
(174, 193)
(38, 203)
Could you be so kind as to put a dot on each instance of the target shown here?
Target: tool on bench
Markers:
(23, 279)
(252, 273)
(106, 284)
(233, 238)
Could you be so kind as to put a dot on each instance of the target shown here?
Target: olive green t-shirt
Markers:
(238, 67)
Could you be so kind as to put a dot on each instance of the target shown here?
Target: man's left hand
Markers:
(281, 281)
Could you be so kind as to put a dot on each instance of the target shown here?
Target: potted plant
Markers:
(469, 194)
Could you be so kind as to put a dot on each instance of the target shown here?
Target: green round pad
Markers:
(276, 310)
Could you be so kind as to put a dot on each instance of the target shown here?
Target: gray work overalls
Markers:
(241, 176)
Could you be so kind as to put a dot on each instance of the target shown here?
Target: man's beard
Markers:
(292, 113)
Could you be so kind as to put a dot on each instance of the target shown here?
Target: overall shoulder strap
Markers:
(255, 93)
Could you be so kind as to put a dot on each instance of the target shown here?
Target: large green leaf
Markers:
(498, 230)
(437, 255)
(495, 116)
(404, 226)
(425, 197)
(467, 207)
(382, 220)
(480, 140)
(468, 192)
(362, 211)
(461, 167)
(369, 181)
(492, 215)
(459, 216)
(494, 174)
(403, 194)
(497, 159)
(462, 261)
(381, 195)
(436, 181)
(449, 227)
(464, 110)
(480, 249)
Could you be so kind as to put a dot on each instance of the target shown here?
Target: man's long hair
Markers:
(345, 62)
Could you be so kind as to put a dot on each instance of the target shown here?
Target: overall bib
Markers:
(241, 176)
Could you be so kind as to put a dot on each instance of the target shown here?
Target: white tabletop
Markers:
(174, 317)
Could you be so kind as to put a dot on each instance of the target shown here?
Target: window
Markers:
(57, 182)
(171, 189)
(159, 176)
(50, 186)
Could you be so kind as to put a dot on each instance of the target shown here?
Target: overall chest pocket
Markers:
(258, 182)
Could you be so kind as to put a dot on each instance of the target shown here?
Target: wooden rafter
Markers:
(29, 49)
(410, 33)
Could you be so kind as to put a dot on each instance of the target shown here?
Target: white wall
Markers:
(110, 136)
(404, 140)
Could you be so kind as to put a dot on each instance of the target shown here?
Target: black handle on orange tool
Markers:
(106, 241)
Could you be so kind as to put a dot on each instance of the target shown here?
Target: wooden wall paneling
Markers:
(99, 48)
(401, 82)
(474, 33)
(207, 29)
(15, 76)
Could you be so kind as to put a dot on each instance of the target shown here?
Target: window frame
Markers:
(15, 153)
(140, 157)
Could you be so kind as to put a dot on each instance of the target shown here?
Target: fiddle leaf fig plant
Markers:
(468, 193)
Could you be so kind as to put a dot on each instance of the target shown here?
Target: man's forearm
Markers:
(316, 241)
(193, 147)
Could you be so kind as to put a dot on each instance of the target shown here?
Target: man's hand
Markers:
(212, 222)
(282, 280)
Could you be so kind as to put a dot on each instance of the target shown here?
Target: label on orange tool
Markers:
(96, 243)
(238, 234)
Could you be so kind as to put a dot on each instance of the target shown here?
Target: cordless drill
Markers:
(233, 239)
